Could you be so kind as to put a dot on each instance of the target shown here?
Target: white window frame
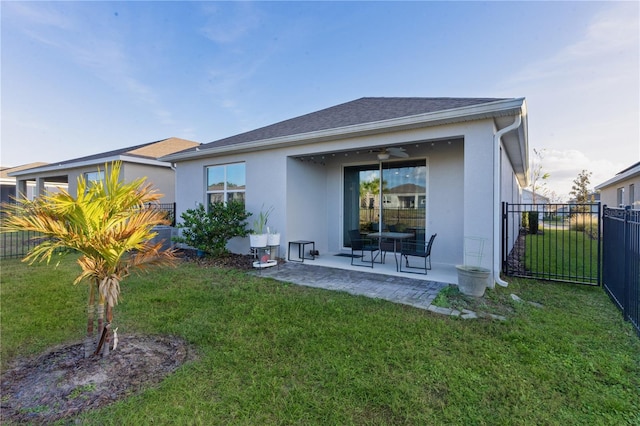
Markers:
(225, 191)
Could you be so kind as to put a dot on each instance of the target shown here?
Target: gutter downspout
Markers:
(497, 210)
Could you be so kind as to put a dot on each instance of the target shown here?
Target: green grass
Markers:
(562, 254)
(272, 353)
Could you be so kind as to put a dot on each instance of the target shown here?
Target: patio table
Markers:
(395, 236)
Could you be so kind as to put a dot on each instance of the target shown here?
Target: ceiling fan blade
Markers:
(397, 152)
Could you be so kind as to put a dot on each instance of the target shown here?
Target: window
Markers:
(632, 195)
(225, 183)
(91, 177)
(620, 197)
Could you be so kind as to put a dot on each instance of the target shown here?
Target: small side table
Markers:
(301, 248)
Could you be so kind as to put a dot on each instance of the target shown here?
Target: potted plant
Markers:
(259, 236)
(472, 278)
(273, 237)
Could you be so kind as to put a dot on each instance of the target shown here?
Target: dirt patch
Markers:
(62, 383)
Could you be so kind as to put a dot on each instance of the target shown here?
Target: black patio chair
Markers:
(362, 245)
(416, 249)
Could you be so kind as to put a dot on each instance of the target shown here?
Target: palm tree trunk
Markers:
(91, 308)
(107, 336)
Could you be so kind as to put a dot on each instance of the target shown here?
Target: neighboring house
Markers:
(540, 200)
(137, 161)
(527, 197)
(466, 154)
(621, 190)
(8, 183)
(405, 196)
(593, 198)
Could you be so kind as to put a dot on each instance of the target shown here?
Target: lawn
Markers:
(273, 353)
(562, 254)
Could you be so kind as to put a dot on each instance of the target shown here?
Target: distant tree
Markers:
(538, 175)
(554, 197)
(580, 190)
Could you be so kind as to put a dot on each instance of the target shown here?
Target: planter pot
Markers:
(258, 240)
(472, 280)
(273, 240)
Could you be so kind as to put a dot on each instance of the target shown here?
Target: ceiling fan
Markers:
(385, 153)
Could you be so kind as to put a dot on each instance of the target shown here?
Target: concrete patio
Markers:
(334, 272)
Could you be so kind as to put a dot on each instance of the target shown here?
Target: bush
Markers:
(210, 231)
(533, 222)
(585, 222)
(525, 220)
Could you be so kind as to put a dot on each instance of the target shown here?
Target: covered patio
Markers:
(439, 272)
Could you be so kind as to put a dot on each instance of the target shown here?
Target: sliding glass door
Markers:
(387, 196)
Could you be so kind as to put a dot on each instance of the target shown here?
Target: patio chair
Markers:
(362, 245)
(416, 249)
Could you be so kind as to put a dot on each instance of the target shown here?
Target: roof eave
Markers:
(619, 177)
(467, 113)
(95, 162)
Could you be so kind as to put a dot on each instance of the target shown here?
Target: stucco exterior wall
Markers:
(307, 193)
(609, 194)
(162, 178)
(478, 187)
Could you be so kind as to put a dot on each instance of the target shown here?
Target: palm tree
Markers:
(107, 223)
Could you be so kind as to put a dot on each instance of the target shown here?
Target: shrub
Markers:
(585, 222)
(533, 222)
(210, 231)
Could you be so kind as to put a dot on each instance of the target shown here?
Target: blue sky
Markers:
(85, 77)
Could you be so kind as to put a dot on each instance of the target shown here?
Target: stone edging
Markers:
(467, 314)
(464, 314)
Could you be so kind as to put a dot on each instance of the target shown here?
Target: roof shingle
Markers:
(360, 111)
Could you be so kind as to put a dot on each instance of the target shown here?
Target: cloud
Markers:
(609, 42)
(565, 165)
(583, 100)
(96, 45)
(43, 14)
(229, 22)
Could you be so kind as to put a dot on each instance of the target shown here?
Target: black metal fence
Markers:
(400, 217)
(169, 208)
(18, 244)
(621, 261)
(555, 242)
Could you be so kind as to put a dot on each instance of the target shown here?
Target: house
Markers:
(528, 198)
(8, 183)
(459, 158)
(619, 191)
(137, 161)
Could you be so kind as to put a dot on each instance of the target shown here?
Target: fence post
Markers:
(599, 244)
(627, 266)
(505, 237)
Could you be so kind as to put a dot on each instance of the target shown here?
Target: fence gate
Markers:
(555, 242)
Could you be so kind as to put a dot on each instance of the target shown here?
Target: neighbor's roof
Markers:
(152, 151)
(348, 115)
(627, 173)
(4, 171)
